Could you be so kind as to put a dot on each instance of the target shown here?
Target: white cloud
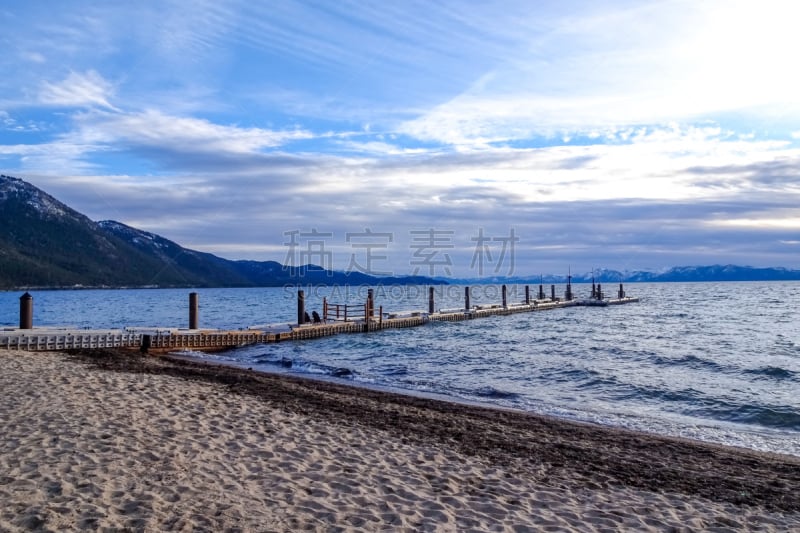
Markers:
(156, 129)
(655, 63)
(34, 57)
(769, 220)
(78, 90)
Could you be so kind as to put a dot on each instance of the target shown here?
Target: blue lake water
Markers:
(710, 361)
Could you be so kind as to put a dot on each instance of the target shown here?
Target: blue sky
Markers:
(475, 138)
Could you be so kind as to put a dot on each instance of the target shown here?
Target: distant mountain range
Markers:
(46, 244)
(683, 273)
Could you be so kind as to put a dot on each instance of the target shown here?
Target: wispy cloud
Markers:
(155, 129)
(78, 90)
(647, 64)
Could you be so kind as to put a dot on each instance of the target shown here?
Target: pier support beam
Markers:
(621, 293)
(430, 300)
(599, 292)
(527, 295)
(194, 308)
(26, 311)
(568, 292)
(553, 292)
(505, 297)
(541, 295)
(301, 307)
(466, 299)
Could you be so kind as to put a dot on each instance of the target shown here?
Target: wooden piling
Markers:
(431, 302)
(541, 295)
(193, 311)
(146, 343)
(527, 295)
(370, 311)
(26, 311)
(301, 307)
(553, 292)
(466, 299)
(621, 293)
(505, 297)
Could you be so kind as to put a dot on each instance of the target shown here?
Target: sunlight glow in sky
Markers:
(619, 134)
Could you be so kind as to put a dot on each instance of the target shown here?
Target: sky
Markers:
(451, 138)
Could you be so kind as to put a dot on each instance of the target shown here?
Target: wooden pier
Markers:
(337, 319)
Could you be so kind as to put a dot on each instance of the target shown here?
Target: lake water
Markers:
(710, 361)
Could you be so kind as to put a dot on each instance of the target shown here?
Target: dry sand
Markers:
(109, 440)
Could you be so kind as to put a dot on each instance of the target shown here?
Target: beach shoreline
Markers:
(344, 457)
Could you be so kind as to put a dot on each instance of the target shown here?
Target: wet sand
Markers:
(112, 439)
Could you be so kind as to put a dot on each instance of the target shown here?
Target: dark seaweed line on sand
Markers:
(567, 452)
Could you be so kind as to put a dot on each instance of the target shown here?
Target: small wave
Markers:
(784, 346)
(698, 404)
(571, 375)
(611, 388)
(676, 315)
(393, 370)
(491, 392)
(602, 383)
(691, 361)
(774, 372)
(778, 417)
(195, 354)
(305, 367)
(342, 372)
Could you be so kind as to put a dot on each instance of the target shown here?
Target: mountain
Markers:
(45, 243)
(674, 274)
(193, 267)
(266, 273)
(718, 273)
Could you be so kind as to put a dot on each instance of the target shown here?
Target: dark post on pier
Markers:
(193, 311)
(541, 292)
(505, 296)
(301, 307)
(527, 295)
(553, 292)
(430, 300)
(370, 303)
(621, 292)
(26, 311)
(466, 299)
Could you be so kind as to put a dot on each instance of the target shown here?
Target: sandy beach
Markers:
(117, 440)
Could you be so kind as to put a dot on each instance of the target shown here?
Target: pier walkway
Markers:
(174, 339)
